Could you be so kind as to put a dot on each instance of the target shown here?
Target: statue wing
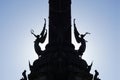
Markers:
(42, 39)
(43, 31)
(76, 33)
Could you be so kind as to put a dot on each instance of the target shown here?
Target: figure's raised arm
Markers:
(86, 33)
(32, 32)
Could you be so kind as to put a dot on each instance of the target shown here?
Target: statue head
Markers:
(82, 35)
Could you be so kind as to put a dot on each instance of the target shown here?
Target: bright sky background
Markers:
(99, 17)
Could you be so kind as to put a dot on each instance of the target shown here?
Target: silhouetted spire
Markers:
(60, 22)
(60, 61)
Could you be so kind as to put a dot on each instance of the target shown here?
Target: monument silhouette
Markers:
(60, 60)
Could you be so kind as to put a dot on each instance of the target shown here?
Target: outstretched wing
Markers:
(43, 37)
(76, 33)
(43, 31)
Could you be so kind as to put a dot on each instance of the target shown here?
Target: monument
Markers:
(60, 60)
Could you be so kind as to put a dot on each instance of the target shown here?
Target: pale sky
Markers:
(99, 17)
